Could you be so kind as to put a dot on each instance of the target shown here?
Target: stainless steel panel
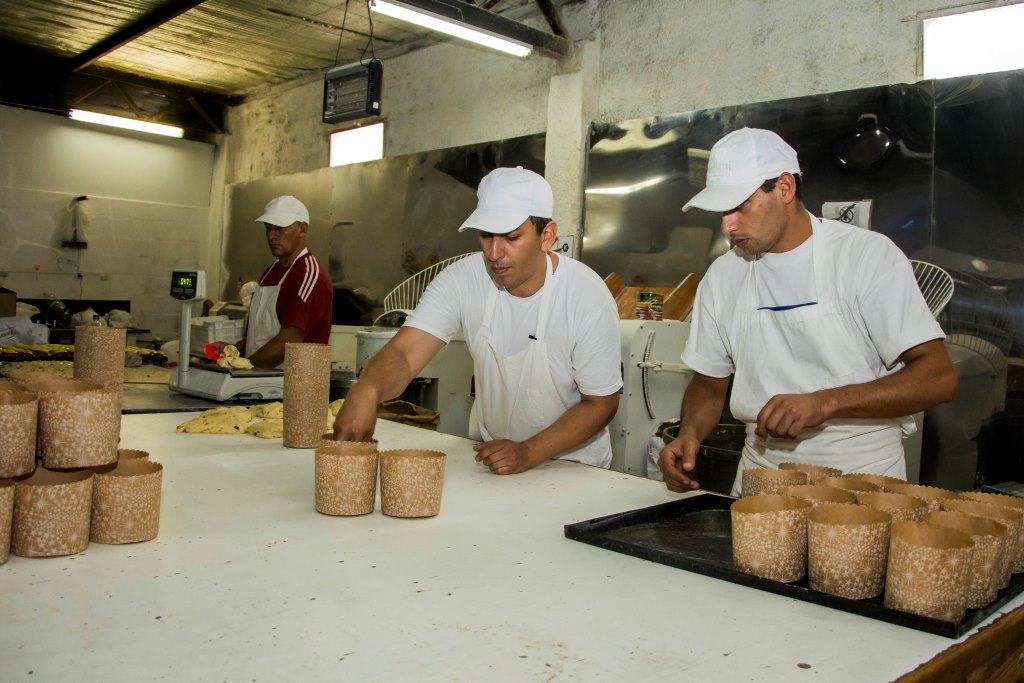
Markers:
(376, 223)
(942, 162)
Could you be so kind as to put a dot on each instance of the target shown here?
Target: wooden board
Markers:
(677, 302)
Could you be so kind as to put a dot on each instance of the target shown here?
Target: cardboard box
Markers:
(8, 303)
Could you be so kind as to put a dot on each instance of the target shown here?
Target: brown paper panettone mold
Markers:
(1008, 517)
(51, 513)
(1013, 503)
(346, 478)
(411, 482)
(18, 420)
(903, 508)
(131, 454)
(989, 537)
(307, 380)
(99, 355)
(764, 481)
(855, 485)
(820, 495)
(883, 482)
(79, 422)
(6, 517)
(847, 550)
(769, 536)
(931, 495)
(929, 570)
(815, 473)
(126, 502)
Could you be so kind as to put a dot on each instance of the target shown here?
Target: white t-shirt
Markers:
(582, 334)
(875, 281)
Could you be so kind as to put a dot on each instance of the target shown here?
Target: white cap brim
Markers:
(276, 219)
(494, 221)
(723, 197)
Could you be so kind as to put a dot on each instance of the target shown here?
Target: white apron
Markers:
(515, 395)
(799, 351)
(263, 321)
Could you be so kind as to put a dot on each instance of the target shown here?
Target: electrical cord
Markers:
(344, 18)
(369, 40)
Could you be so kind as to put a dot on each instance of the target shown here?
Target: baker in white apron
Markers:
(263, 322)
(516, 397)
(797, 365)
(766, 365)
(543, 332)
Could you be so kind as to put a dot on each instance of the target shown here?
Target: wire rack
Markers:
(407, 294)
(935, 283)
(978, 317)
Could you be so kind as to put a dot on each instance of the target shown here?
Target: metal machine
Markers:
(203, 378)
(653, 382)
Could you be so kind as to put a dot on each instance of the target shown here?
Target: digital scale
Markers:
(204, 378)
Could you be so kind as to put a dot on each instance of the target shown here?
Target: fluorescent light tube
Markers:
(130, 124)
(625, 189)
(420, 17)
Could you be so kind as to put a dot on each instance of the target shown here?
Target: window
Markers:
(354, 145)
(974, 42)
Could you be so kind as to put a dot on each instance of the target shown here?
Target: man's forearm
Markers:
(386, 375)
(573, 427)
(927, 379)
(702, 406)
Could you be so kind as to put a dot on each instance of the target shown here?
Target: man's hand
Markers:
(786, 415)
(504, 456)
(358, 416)
(677, 460)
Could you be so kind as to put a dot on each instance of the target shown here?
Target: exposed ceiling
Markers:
(184, 61)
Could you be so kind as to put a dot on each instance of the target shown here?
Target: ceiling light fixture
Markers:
(130, 124)
(405, 11)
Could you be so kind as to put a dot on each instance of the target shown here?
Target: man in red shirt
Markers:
(293, 302)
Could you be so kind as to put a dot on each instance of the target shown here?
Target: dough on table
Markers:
(336, 406)
(227, 420)
(270, 428)
(269, 410)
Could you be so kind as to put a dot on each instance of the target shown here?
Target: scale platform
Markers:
(205, 379)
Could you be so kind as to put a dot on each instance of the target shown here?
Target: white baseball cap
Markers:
(507, 197)
(740, 162)
(283, 211)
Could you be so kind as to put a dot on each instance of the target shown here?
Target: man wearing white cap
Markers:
(821, 326)
(543, 332)
(293, 302)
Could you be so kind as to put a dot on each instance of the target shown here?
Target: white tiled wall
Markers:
(149, 213)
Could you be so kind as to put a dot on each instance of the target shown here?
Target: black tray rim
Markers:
(592, 532)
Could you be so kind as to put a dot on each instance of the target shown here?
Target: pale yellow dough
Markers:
(269, 410)
(227, 420)
(267, 429)
(231, 358)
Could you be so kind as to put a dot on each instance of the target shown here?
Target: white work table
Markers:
(247, 582)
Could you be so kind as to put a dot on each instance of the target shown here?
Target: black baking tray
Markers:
(695, 534)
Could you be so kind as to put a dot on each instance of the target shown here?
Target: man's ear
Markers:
(787, 187)
(549, 235)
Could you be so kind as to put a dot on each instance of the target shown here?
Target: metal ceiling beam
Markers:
(471, 14)
(161, 15)
(554, 17)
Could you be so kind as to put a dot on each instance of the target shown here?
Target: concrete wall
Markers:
(153, 199)
(149, 212)
(633, 58)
